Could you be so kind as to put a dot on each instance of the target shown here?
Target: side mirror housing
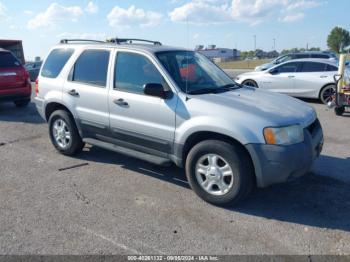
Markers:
(156, 90)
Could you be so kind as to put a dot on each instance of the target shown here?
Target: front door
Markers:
(137, 120)
(281, 78)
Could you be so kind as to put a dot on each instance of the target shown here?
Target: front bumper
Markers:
(277, 164)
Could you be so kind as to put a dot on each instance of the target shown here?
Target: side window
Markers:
(91, 68)
(55, 62)
(301, 56)
(133, 71)
(320, 56)
(309, 67)
(331, 68)
(288, 68)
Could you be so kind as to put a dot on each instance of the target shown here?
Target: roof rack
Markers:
(66, 41)
(131, 40)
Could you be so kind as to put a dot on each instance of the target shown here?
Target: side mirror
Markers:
(156, 90)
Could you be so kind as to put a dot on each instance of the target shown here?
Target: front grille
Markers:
(314, 127)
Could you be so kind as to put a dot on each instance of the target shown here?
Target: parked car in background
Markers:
(33, 69)
(14, 80)
(171, 105)
(292, 56)
(308, 78)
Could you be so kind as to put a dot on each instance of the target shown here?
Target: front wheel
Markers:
(219, 173)
(64, 134)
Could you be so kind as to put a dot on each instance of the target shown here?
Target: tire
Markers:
(60, 124)
(339, 111)
(22, 103)
(326, 93)
(236, 187)
(251, 83)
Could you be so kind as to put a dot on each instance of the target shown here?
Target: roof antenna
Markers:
(187, 64)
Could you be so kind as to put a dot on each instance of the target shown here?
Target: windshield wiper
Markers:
(202, 91)
(231, 86)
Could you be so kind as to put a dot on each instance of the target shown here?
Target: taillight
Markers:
(37, 87)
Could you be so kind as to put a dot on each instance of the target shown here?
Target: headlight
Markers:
(284, 135)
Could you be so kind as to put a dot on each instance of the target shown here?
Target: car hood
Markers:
(257, 106)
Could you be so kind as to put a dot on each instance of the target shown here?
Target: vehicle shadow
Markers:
(10, 113)
(312, 200)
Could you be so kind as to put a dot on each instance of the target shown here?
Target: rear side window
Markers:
(320, 56)
(309, 67)
(331, 68)
(91, 68)
(55, 62)
(8, 60)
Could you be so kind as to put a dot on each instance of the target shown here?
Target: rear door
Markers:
(312, 77)
(12, 73)
(86, 90)
(281, 78)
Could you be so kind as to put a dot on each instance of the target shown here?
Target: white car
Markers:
(308, 78)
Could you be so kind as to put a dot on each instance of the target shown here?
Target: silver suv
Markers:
(170, 105)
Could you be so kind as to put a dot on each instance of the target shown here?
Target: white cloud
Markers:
(249, 11)
(201, 12)
(55, 14)
(91, 8)
(120, 17)
(3, 11)
(293, 17)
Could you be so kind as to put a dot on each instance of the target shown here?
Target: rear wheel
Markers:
(327, 93)
(250, 83)
(64, 134)
(22, 103)
(219, 173)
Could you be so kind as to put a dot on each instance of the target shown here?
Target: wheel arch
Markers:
(252, 80)
(200, 136)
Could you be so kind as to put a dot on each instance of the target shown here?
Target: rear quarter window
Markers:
(8, 60)
(55, 62)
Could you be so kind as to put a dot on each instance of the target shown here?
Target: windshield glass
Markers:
(283, 59)
(194, 73)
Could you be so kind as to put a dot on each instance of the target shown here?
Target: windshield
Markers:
(194, 73)
(283, 59)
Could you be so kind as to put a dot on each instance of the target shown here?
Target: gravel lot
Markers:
(113, 204)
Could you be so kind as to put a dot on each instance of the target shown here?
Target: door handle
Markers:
(120, 102)
(291, 76)
(73, 92)
(323, 76)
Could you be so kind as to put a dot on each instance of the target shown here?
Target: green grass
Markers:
(251, 64)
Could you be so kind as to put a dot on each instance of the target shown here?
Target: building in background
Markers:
(15, 46)
(219, 54)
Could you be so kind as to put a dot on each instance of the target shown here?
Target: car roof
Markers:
(317, 60)
(149, 48)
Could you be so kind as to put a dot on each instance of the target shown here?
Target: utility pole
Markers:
(274, 44)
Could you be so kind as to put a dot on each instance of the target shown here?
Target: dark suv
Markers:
(14, 80)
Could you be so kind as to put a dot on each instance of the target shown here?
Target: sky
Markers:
(185, 23)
